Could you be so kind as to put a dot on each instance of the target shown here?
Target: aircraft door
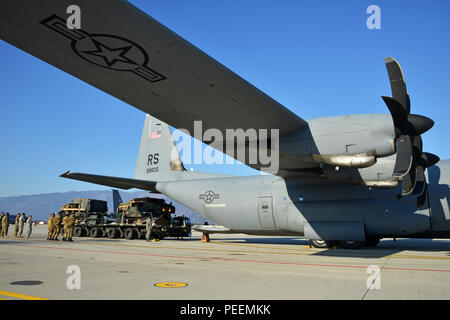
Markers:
(265, 211)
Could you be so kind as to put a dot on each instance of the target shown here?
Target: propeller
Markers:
(411, 161)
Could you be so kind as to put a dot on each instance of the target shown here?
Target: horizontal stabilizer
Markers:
(115, 182)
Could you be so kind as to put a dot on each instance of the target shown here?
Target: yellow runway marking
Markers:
(19, 296)
(170, 284)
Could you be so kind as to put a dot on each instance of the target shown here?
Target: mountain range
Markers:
(40, 206)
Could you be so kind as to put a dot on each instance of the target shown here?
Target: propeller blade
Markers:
(398, 85)
(421, 124)
(419, 187)
(417, 146)
(428, 159)
(398, 112)
(409, 182)
(411, 161)
(404, 158)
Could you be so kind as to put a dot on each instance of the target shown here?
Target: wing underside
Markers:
(124, 52)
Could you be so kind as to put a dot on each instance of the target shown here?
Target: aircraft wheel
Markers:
(322, 243)
(372, 242)
(351, 244)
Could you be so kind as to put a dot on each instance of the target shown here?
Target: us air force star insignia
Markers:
(209, 196)
(106, 51)
(110, 56)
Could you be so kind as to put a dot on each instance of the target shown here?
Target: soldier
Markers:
(71, 224)
(148, 228)
(5, 225)
(57, 223)
(16, 226)
(21, 223)
(65, 227)
(1, 217)
(29, 226)
(51, 225)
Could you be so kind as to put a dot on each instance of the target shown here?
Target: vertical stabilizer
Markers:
(158, 158)
(117, 199)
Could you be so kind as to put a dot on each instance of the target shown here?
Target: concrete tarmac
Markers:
(229, 267)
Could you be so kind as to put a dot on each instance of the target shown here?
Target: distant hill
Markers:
(40, 206)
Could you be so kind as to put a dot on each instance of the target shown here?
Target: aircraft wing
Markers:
(115, 182)
(124, 52)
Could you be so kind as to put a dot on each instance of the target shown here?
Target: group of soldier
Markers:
(58, 222)
(20, 222)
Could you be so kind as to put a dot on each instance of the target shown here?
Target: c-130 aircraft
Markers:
(348, 180)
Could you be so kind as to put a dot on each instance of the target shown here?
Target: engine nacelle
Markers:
(350, 141)
(379, 175)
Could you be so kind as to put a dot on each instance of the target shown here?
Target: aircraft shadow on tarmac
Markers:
(385, 248)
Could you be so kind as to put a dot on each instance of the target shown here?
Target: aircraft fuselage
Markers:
(316, 208)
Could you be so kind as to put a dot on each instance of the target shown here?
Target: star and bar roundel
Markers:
(209, 196)
(107, 51)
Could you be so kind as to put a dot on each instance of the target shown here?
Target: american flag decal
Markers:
(155, 135)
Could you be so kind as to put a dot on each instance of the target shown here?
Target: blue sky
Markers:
(315, 57)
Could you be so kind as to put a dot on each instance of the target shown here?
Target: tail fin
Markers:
(117, 199)
(158, 158)
(158, 161)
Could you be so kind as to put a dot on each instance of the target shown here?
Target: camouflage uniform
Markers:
(51, 226)
(5, 225)
(16, 226)
(1, 217)
(21, 224)
(29, 227)
(57, 229)
(148, 229)
(65, 227)
(71, 224)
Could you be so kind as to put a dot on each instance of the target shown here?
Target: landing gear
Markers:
(372, 242)
(351, 244)
(322, 243)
